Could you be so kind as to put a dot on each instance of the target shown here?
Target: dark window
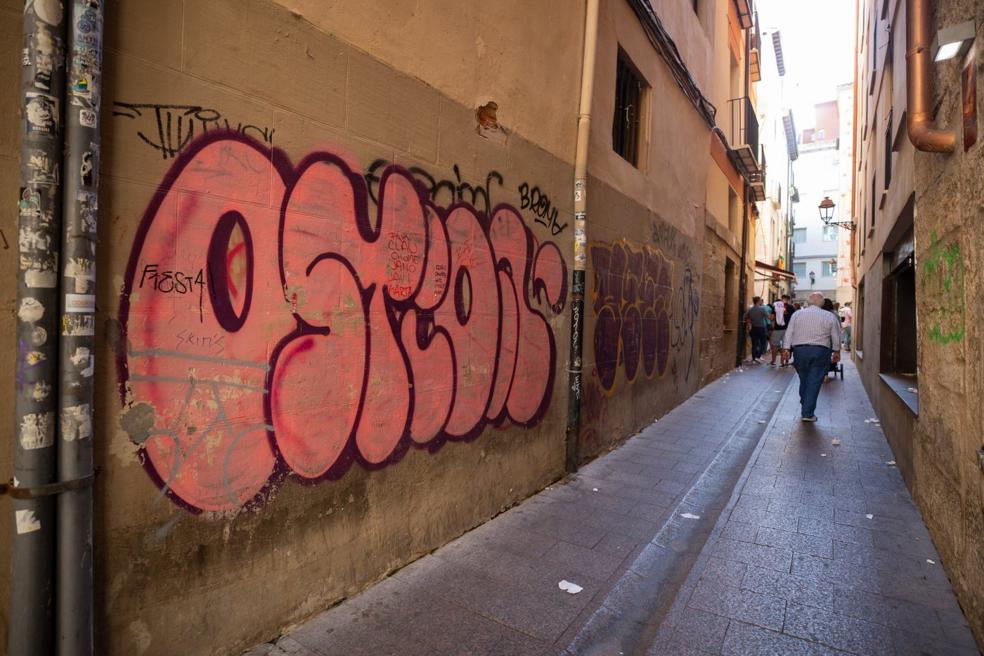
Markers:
(857, 332)
(888, 151)
(899, 320)
(628, 101)
(874, 196)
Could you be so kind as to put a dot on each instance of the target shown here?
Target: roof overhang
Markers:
(774, 270)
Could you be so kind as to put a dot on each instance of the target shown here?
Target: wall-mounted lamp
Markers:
(827, 214)
(953, 41)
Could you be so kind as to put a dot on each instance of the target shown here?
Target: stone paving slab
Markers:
(820, 551)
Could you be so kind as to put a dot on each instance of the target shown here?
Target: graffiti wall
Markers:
(643, 303)
(280, 322)
(644, 309)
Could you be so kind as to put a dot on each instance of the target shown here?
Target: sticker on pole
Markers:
(80, 303)
(26, 521)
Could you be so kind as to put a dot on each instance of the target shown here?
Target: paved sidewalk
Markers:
(793, 565)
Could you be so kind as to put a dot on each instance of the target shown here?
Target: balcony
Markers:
(754, 46)
(756, 179)
(744, 135)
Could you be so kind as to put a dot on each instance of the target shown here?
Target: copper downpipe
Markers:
(919, 68)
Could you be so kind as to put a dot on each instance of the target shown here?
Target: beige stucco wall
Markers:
(474, 52)
(645, 230)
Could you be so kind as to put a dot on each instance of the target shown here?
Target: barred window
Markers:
(628, 105)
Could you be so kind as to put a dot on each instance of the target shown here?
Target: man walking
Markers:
(814, 336)
(757, 321)
(782, 312)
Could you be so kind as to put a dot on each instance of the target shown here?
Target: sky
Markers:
(818, 49)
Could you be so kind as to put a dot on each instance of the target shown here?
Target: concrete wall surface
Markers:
(333, 312)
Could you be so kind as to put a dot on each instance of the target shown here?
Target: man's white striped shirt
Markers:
(813, 325)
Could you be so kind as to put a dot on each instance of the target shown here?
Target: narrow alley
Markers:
(448, 328)
(726, 527)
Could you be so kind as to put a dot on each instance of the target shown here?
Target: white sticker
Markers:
(76, 422)
(87, 118)
(80, 303)
(30, 310)
(83, 271)
(37, 431)
(38, 279)
(26, 521)
(78, 325)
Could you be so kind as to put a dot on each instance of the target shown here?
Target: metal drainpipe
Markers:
(919, 80)
(573, 455)
(742, 278)
(30, 629)
(78, 306)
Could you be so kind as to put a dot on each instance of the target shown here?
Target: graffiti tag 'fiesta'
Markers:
(275, 325)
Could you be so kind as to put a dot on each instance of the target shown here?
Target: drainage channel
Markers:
(630, 616)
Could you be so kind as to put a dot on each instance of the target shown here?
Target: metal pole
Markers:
(742, 281)
(39, 221)
(573, 456)
(78, 306)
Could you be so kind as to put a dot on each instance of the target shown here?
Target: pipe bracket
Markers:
(39, 491)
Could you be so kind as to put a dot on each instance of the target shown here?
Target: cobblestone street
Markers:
(727, 527)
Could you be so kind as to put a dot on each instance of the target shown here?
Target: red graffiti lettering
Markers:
(342, 334)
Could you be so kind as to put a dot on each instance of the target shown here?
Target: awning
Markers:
(774, 270)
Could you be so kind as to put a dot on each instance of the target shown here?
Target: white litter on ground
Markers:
(931, 562)
(761, 421)
(835, 441)
(594, 489)
(823, 455)
(913, 390)
(870, 516)
(890, 463)
(571, 588)
(690, 516)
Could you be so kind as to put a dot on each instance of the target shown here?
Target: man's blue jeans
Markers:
(812, 364)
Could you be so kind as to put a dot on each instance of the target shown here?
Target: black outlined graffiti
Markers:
(442, 192)
(537, 202)
(171, 127)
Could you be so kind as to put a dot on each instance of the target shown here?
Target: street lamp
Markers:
(827, 214)
(826, 210)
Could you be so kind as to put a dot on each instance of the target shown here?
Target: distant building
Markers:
(815, 244)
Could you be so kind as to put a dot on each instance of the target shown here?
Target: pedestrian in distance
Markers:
(782, 311)
(757, 323)
(847, 322)
(814, 338)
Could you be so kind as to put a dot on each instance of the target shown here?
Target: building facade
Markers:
(338, 294)
(773, 277)
(919, 260)
(816, 244)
